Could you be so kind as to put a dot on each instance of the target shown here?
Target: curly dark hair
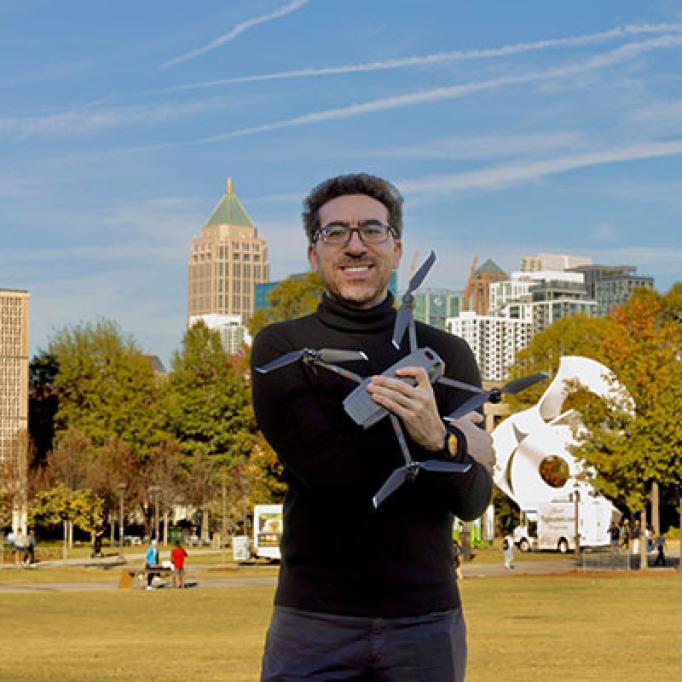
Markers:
(354, 183)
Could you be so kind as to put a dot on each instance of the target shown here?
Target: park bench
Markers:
(129, 575)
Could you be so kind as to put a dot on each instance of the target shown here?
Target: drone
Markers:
(362, 409)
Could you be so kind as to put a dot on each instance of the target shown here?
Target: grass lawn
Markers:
(552, 628)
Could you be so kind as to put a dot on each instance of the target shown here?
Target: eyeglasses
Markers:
(369, 231)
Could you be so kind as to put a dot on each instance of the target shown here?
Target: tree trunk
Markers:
(112, 526)
(679, 563)
(204, 525)
(165, 528)
(70, 525)
(65, 550)
(655, 517)
(643, 556)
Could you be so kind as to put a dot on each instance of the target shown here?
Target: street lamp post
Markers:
(576, 501)
(154, 492)
(121, 523)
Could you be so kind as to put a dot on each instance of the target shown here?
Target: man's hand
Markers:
(479, 442)
(415, 405)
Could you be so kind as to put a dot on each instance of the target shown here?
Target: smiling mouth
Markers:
(356, 268)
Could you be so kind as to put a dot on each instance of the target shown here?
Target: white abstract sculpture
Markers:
(526, 438)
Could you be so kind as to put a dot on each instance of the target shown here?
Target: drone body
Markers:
(366, 412)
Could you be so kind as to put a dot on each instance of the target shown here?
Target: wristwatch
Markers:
(453, 442)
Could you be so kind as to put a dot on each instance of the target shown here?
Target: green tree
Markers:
(291, 298)
(208, 401)
(81, 508)
(106, 387)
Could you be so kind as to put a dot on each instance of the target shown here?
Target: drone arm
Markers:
(341, 371)
(453, 383)
(412, 335)
(397, 429)
(315, 443)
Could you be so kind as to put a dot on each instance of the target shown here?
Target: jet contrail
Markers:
(438, 57)
(237, 30)
(599, 61)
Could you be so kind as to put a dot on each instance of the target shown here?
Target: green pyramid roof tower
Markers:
(229, 211)
(490, 267)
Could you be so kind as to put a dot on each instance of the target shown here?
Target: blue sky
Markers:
(510, 127)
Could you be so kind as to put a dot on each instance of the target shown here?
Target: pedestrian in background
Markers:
(19, 548)
(178, 555)
(31, 547)
(457, 553)
(660, 548)
(508, 549)
(151, 561)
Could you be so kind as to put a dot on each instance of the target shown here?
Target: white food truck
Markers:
(552, 525)
(267, 531)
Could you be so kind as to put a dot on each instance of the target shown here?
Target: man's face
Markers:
(356, 274)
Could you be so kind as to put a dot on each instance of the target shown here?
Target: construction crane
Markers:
(470, 285)
(413, 265)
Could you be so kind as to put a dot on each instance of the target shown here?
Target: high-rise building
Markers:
(552, 261)
(476, 296)
(612, 285)
(494, 341)
(14, 306)
(227, 261)
(435, 306)
(233, 334)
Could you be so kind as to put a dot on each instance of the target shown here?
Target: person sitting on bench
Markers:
(151, 561)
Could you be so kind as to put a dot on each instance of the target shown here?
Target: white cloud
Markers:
(236, 31)
(504, 176)
(89, 119)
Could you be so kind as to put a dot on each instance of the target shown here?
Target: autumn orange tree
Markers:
(627, 448)
(631, 449)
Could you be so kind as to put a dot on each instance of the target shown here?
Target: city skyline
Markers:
(552, 130)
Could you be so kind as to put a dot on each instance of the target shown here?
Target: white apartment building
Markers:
(552, 261)
(494, 341)
(232, 332)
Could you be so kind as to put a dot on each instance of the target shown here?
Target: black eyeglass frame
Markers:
(390, 230)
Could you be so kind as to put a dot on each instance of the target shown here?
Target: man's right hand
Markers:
(479, 441)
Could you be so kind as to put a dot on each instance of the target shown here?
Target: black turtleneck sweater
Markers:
(339, 554)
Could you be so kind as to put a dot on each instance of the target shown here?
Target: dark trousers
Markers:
(318, 647)
(660, 557)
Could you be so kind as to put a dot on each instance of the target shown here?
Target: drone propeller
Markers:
(404, 315)
(410, 471)
(495, 395)
(329, 355)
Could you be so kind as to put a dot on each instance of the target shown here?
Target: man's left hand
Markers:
(414, 405)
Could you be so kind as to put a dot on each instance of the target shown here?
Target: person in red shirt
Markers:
(178, 555)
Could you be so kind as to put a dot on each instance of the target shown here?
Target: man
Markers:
(508, 549)
(364, 593)
(178, 555)
(31, 547)
(97, 535)
(660, 545)
(151, 560)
